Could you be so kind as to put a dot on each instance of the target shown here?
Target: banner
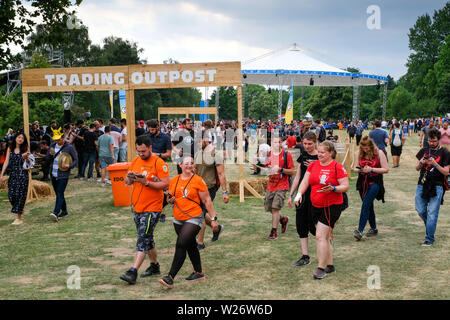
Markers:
(123, 104)
(290, 105)
(111, 103)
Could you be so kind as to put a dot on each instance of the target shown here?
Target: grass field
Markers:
(99, 239)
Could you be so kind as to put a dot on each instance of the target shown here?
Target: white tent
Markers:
(277, 68)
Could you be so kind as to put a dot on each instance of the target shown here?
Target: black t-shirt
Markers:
(89, 141)
(79, 144)
(184, 140)
(305, 156)
(442, 157)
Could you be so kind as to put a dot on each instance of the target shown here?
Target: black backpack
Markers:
(322, 134)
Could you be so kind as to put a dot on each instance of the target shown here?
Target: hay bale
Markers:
(41, 189)
(259, 184)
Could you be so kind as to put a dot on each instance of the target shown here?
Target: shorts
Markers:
(145, 225)
(198, 221)
(274, 200)
(396, 151)
(327, 215)
(105, 162)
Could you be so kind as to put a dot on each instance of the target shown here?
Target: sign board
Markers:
(132, 77)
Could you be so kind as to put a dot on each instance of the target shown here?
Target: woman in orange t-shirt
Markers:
(186, 192)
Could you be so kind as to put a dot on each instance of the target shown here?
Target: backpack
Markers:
(322, 134)
(396, 139)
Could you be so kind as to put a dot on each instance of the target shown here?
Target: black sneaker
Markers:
(427, 243)
(284, 221)
(216, 234)
(320, 274)
(62, 215)
(162, 218)
(201, 246)
(330, 269)
(167, 281)
(129, 276)
(196, 276)
(152, 270)
(372, 233)
(304, 260)
(357, 234)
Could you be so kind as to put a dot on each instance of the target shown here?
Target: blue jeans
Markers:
(367, 211)
(59, 185)
(428, 210)
(88, 157)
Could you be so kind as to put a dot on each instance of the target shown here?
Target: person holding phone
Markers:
(18, 181)
(371, 166)
(149, 176)
(186, 192)
(328, 180)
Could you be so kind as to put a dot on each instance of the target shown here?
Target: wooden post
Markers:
(240, 154)
(131, 126)
(26, 130)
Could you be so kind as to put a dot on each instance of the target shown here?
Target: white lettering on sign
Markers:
(137, 78)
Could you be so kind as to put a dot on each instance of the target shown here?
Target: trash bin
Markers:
(121, 192)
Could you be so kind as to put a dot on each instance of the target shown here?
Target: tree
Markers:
(16, 22)
(227, 102)
(263, 107)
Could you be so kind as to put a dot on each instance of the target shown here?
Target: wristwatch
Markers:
(214, 219)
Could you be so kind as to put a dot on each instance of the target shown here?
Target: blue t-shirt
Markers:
(104, 143)
(161, 143)
(378, 136)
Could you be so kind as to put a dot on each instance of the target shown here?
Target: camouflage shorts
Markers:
(145, 225)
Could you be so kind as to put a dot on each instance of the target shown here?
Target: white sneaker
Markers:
(108, 181)
(54, 217)
(91, 179)
(103, 184)
(17, 221)
(99, 180)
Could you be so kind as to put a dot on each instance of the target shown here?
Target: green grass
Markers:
(100, 239)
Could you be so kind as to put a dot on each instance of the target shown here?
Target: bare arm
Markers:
(223, 181)
(206, 199)
(5, 164)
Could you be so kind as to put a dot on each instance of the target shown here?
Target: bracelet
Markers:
(371, 169)
(334, 188)
(225, 192)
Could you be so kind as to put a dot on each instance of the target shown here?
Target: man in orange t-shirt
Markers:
(149, 176)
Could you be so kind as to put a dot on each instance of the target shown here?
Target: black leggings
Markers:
(186, 242)
(304, 218)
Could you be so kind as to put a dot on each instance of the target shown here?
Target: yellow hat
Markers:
(57, 134)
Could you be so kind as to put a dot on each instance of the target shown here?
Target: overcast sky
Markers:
(334, 31)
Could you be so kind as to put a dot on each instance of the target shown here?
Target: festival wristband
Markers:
(297, 197)
(225, 192)
(334, 188)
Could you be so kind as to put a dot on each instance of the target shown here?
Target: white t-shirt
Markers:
(124, 143)
(55, 161)
(116, 136)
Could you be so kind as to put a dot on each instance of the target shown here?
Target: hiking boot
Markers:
(304, 260)
(273, 235)
(330, 269)
(372, 233)
(357, 234)
(129, 276)
(320, 274)
(162, 218)
(196, 276)
(427, 243)
(54, 217)
(216, 234)
(284, 221)
(152, 270)
(167, 281)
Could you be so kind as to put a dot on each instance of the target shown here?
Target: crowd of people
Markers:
(316, 186)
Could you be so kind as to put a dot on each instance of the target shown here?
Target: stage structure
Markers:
(134, 77)
(278, 68)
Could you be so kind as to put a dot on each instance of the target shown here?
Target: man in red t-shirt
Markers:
(291, 141)
(278, 185)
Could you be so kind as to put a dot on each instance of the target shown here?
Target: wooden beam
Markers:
(252, 191)
(131, 126)
(240, 151)
(26, 130)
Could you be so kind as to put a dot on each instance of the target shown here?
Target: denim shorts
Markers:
(197, 220)
(105, 162)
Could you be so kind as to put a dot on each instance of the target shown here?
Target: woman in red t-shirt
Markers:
(371, 166)
(328, 180)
